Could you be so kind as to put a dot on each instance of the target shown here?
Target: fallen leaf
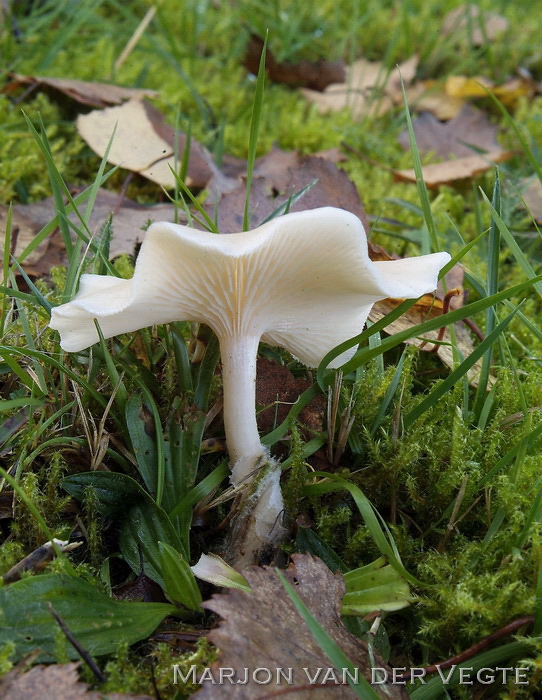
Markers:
(426, 308)
(23, 231)
(471, 22)
(316, 75)
(462, 87)
(93, 94)
(263, 630)
(144, 143)
(450, 171)
(280, 174)
(334, 155)
(512, 90)
(60, 682)
(129, 223)
(532, 196)
(453, 138)
(430, 96)
(368, 90)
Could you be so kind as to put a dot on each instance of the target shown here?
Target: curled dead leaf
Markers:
(87, 93)
(370, 89)
(449, 171)
(430, 96)
(316, 75)
(431, 306)
(462, 87)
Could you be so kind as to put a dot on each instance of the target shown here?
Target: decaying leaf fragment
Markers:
(426, 308)
(280, 174)
(129, 221)
(430, 96)
(448, 171)
(370, 89)
(56, 681)
(532, 196)
(87, 93)
(263, 630)
(316, 75)
(463, 87)
(144, 143)
(470, 129)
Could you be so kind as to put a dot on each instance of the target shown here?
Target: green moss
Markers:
(23, 172)
(297, 475)
(10, 554)
(7, 653)
(126, 673)
(477, 564)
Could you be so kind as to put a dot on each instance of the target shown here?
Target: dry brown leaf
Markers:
(316, 75)
(263, 630)
(426, 308)
(129, 221)
(334, 155)
(474, 24)
(60, 682)
(512, 90)
(450, 171)
(280, 174)
(93, 94)
(143, 143)
(369, 88)
(532, 196)
(452, 138)
(23, 232)
(430, 96)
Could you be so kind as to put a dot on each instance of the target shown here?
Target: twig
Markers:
(474, 328)
(83, 653)
(475, 648)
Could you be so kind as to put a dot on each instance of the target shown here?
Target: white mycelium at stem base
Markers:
(303, 281)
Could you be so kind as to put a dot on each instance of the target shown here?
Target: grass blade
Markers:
(254, 129)
(459, 372)
(329, 646)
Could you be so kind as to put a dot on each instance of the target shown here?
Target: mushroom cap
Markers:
(303, 281)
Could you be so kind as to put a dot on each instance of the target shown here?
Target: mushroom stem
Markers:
(238, 354)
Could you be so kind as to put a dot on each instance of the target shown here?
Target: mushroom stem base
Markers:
(257, 525)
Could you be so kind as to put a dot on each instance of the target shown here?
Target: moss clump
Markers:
(23, 173)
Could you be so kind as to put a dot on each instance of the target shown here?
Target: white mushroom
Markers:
(303, 281)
